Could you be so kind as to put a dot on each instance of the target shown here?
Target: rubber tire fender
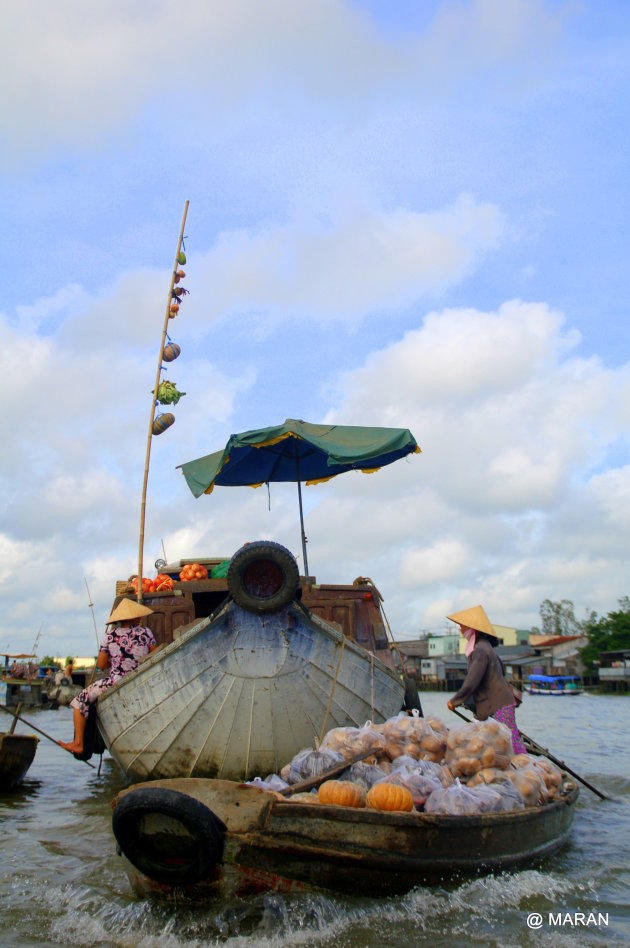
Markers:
(199, 820)
(265, 560)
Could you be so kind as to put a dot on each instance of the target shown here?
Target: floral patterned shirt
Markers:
(125, 647)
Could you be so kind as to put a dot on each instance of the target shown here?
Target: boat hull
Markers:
(239, 694)
(357, 851)
(17, 752)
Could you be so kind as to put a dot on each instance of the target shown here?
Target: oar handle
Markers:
(560, 763)
(326, 775)
(16, 716)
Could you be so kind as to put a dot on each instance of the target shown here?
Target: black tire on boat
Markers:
(188, 838)
(65, 682)
(263, 576)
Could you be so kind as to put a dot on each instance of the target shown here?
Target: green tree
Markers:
(49, 660)
(558, 618)
(610, 633)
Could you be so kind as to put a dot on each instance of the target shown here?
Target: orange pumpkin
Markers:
(389, 796)
(341, 793)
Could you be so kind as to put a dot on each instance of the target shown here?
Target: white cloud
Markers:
(366, 261)
(503, 505)
(78, 73)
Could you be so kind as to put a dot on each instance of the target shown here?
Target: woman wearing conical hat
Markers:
(124, 644)
(484, 682)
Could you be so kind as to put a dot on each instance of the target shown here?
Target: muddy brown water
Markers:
(62, 883)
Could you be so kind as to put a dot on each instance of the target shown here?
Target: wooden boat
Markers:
(239, 692)
(17, 752)
(195, 837)
(554, 685)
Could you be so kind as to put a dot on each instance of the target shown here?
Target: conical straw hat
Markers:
(128, 609)
(474, 618)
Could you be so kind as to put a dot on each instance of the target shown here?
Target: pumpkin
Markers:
(341, 793)
(174, 310)
(171, 351)
(389, 796)
(179, 275)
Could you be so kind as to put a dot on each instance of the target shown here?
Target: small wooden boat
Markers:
(191, 836)
(17, 752)
(554, 685)
(239, 692)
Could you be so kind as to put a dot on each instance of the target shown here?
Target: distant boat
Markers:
(554, 685)
(17, 752)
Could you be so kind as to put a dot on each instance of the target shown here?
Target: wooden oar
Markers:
(542, 750)
(17, 717)
(325, 775)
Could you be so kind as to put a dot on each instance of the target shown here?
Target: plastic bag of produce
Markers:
(488, 775)
(459, 800)
(366, 775)
(427, 768)
(438, 726)
(303, 797)
(511, 796)
(411, 734)
(311, 763)
(354, 740)
(477, 745)
(551, 774)
(529, 781)
(272, 782)
(420, 785)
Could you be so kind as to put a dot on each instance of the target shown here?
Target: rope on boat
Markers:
(332, 690)
(372, 686)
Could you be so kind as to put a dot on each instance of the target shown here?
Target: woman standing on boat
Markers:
(484, 682)
(121, 650)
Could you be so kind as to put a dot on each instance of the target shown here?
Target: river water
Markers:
(61, 882)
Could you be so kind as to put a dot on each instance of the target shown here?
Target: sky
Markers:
(404, 214)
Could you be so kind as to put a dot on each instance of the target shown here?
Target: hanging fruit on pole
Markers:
(162, 422)
(171, 351)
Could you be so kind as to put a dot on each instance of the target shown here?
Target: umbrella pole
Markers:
(304, 541)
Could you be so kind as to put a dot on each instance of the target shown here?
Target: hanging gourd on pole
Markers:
(164, 392)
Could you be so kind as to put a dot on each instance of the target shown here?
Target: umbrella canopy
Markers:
(297, 451)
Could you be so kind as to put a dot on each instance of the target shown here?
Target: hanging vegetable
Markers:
(167, 393)
(162, 422)
(171, 351)
(181, 258)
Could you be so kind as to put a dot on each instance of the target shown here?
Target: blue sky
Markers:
(400, 214)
